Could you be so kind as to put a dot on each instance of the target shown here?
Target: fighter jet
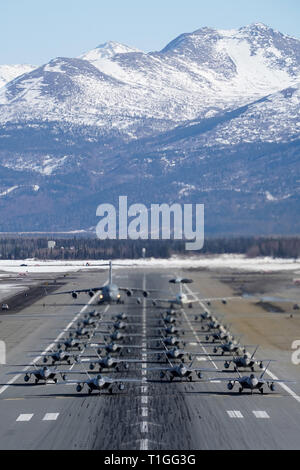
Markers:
(204, 316)
(169, 340)
(252, 382)
(70, 343)
(112, 347)
(230, 347)
(100, 383)
(88, 322)
(44, 374)
(213, 324)
(222, 335)
(180, 371)
(108, 293)
(80, 333)
(108, 362)
(118, 335)
(174, 353)
(58, 356)
(169, 319)
(246, 361)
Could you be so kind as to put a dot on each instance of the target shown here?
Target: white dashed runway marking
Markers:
(235, 414)
(144, 427)
(50, 417)
(261, 414)
(144, 444)
(24, 417)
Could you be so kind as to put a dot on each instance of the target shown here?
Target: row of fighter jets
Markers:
(167, 340)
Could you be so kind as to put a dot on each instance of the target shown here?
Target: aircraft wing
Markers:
(73, 382)
(79, 291)
(202, 369)
(169, 301)
(225, 379)
(158, 351)
(23, 372)
(42, 354)
(82, 360)
(123, 346)
(210, 299)
(138, 289)
(122, 380)
(268, 381)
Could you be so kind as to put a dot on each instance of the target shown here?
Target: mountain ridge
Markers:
(213, 117)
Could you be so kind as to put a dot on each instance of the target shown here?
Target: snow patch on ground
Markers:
(232, 262)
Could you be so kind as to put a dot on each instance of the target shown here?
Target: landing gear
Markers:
(240, 390)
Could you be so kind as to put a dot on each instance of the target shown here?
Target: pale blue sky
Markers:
(34, 31)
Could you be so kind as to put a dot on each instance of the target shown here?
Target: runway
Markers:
(152, 415)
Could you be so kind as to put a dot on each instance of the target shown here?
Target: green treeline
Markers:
(78, 248)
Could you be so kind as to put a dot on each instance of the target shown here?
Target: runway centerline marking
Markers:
(144, 389)
(144, 444)
(144, 427)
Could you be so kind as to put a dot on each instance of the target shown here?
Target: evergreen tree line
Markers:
(78, 248)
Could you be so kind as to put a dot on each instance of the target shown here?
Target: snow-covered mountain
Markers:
(196, 75)
(107, 51)
(10, 72)
(214, 116)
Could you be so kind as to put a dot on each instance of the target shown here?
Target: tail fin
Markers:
(265, 370)
(254, 352)
(191, 364)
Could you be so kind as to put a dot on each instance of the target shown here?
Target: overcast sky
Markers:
(35, 31)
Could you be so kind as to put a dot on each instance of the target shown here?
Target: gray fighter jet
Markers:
(58, 356)
(252, 382)
(247, 361)
(44, 374)
(180, 371)
(100, 383)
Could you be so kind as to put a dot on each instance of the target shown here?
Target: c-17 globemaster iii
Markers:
(109, 293)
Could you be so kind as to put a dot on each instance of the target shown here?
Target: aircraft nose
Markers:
(254, 381)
